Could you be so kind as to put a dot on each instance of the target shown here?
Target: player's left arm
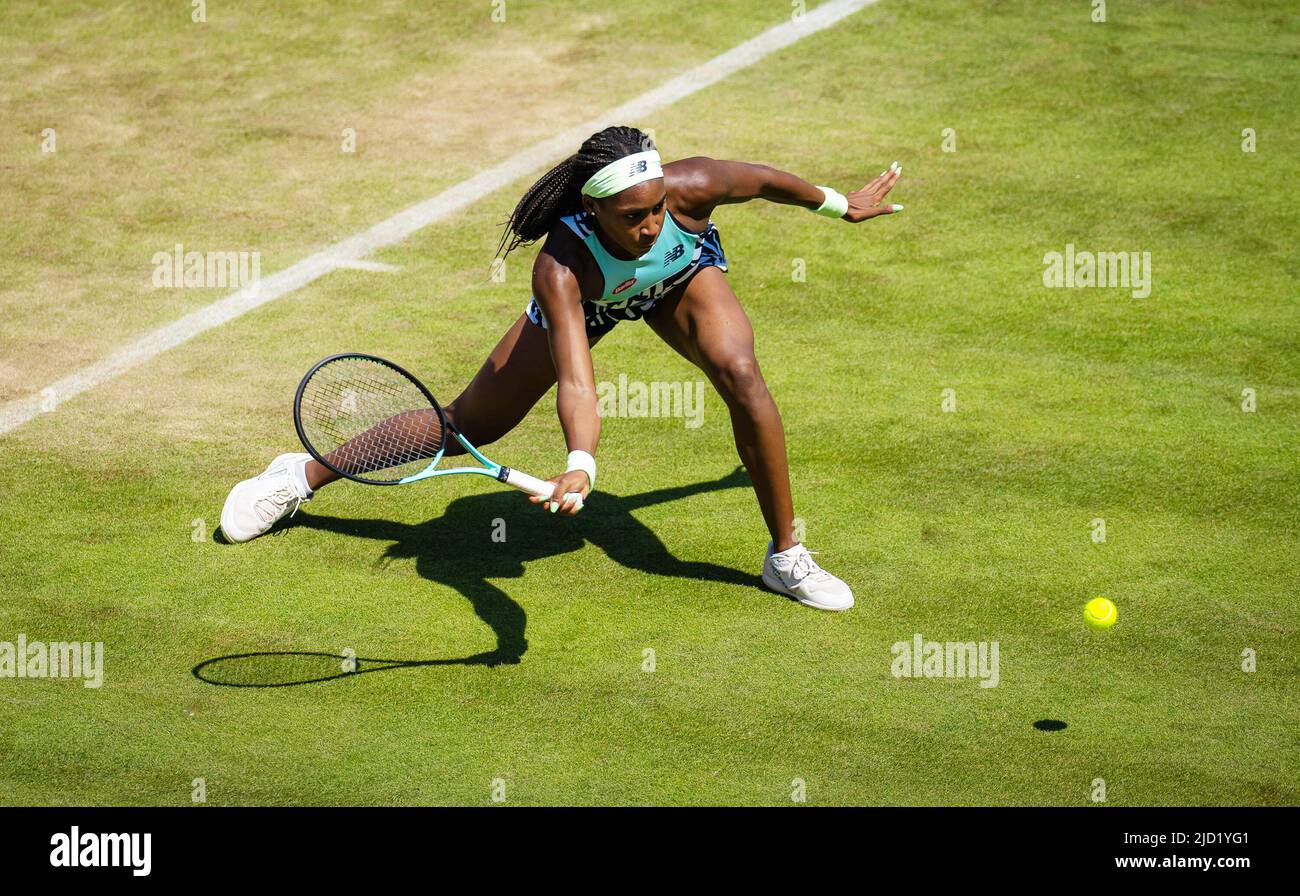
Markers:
(702, 184)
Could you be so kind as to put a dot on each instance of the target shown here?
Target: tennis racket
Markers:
(371, 421)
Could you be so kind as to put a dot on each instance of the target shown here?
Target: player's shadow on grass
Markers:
(457, 549)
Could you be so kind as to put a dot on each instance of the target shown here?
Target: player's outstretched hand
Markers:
(571, 490)
(869, 202)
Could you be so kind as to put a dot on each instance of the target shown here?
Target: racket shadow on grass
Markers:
(456, 550)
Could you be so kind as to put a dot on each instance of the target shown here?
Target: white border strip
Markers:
(352, 250)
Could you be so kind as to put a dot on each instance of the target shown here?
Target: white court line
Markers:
(377, 267)
(401, 225)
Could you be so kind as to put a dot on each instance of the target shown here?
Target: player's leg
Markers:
(705, 323)
(515, 376)
(517, 373)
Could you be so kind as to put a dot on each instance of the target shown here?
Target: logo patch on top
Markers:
(630, 281)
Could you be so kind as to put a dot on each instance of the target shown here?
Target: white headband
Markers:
(626, 172)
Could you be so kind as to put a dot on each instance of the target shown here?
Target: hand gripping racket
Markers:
(369, 420)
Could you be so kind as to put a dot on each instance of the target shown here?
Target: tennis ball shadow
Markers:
(1050, 725)
(457, 549)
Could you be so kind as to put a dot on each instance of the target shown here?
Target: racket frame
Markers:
(509, 476)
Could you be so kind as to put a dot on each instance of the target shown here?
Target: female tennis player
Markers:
(625, 238)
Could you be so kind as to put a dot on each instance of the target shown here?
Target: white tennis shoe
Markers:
(795, 573)
(257, 504)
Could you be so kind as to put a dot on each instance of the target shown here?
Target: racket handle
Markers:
(526, 483)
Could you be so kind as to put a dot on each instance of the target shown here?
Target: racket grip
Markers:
(526, 483)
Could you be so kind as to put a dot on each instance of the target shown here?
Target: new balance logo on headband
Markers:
(638, 167)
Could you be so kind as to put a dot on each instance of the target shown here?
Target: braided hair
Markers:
(558, 192)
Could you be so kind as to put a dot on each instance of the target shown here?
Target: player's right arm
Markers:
(559, 295)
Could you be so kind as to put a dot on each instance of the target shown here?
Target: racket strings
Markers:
(403, 439)
(370, 421)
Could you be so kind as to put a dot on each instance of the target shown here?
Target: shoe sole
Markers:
(807, 603)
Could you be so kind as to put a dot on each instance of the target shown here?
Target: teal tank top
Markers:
(674, 250)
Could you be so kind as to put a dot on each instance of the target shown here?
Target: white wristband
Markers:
(834, 205)
(581, 460)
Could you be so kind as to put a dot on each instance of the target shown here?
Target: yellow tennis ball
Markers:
(1100, 613)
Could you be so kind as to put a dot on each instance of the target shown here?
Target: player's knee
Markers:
(739, 380)
(453, 418)
(478, 434)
